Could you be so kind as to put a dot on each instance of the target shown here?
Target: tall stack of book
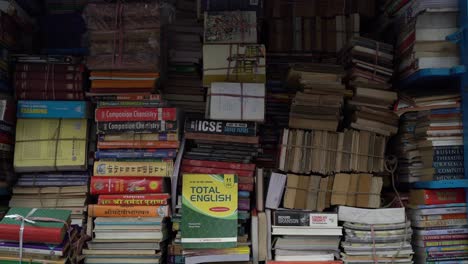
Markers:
(318, 105)
(375, 235)
(369, 65)
(429, 144)
(421, 43)
(183, 87)
(46, 236)
(439, 222)
(7, 131)
(54, 175)
(221, 148)
(305, 236)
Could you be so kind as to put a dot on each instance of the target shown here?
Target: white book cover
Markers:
(275, 190)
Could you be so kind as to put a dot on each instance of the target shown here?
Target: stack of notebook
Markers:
(439, 222)
(47, 236)
(126, 39)
(183, 87)
(318, 105)
(429, 143)
(369, 65)
(375, 235)
(55, 176)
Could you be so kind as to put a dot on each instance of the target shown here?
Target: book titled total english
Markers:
(209, 206)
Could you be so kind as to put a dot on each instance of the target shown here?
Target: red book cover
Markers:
(245, 187)
(41, 76)
(137, 144)
(135, 114)
(127, 185)
(219, 164)
(45, 67)
(42, 95)
(205, 170)
(440, 196)
(112, 91)
(32, 234)
(135, 199)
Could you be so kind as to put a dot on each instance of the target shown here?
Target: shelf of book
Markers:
(463, 41)
(450, 184)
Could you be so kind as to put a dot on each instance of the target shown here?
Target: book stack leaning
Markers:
(51, 136)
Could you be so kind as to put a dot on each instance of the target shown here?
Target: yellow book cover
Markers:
(234, 63)
(134, 169)
(51, 144)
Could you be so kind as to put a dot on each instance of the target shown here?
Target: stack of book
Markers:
(47, 236)
(224, 147)
(54, 174)
(7, 133)
(318, 105)
(138, 21)
(422, 44)
(439, 222)
(375, 235)
(49, 78)
(183, 87)
(429, 144)
(325, 152)
(305, 236)
(369, 66)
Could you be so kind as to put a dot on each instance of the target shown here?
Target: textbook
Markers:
(209, 205)
(53, 109)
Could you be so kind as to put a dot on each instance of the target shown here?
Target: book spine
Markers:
(448, 151)
(448, 164)
(31, 234)
(295, 218)
(139, 137)
(244, 204)
(46, 252)
(444, 196)
(41, 95)
(131, 97)
(246, 187)
(135, 169)
(125, 185)
(141, 200)
(41, 76)
(221, 127)
(128, 104)
(449, 170)
(52, 109)
(451, 242)
(205, 170)
(45, 67)
(136, 127)
(130, 144)
(441, 232)
(219, 164)
(224, 138)
(445, 237)
(441, 223)
(136, 154)
(439, 217)
(44, 85)
(135, 114)
(447, 248)
(95, 210)
(445, 177)
(6, 128)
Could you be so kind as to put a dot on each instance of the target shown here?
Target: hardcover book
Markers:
(52, 109)
(133, 169)
(209, 203)
(127, 185)
(212, 127)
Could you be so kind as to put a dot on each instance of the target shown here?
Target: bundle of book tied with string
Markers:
(375, 235)
(438, 218)
(369, 66)
(39, 235)
(54, 175)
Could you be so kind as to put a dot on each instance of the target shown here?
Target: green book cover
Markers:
(40, 212)
(209, 206)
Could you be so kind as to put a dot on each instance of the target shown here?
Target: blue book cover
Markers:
(53, 109)
(445, 111)
(135, 154)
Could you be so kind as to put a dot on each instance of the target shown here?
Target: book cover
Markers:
(41, 231)
(234, 63)
(212, 127)
(52, 109)
(135, 114)
(209, 203)
(127, 185)
(58, 144)
(136, 127)
(141, 199)
(142, 169)
(304, 218)
(96, 210)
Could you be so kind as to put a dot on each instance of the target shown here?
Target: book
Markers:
(138, 144)
(135, 153)
(220, 127)
(41, 231)
(304, 218)
(137, 169)
(371, 216)
(95, 210)
(60, 144)
(230, 27)
(127, 185)
(275, 190)
(441, 196)
(135, 114)
(236, 101)
(109, 128)
(209, 203)
(52, 109)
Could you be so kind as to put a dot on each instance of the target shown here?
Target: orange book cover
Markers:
(137, 144)
(96, 210)
(123, 84)
(123, 74)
